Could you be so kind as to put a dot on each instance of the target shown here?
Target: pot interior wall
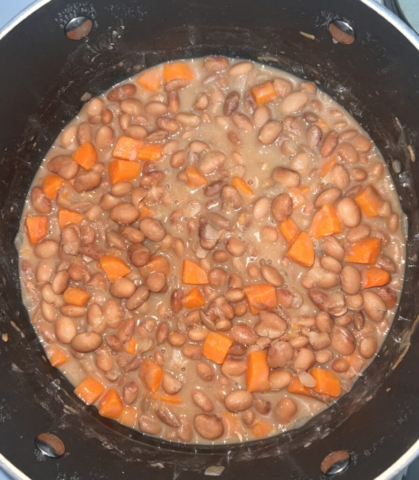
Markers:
(44, 77)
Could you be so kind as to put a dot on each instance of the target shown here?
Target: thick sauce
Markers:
(212, 251)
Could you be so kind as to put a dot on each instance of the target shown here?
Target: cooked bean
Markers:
(64, 166)
(209, 426)
(211, 162)
(348, 153)
(393, 222)
(188, 119)
(285, 410)
(293, 103)
(48, 294)
(194, 352)
(343, 340)
(332, 247)
(281, 207)
(176, 339)
(148, 425)
(348, 212)
(242, 333)
(122, 288)
(340, 365)
(285, 176)
(356, 234)
(124, 213)
(279, 354)
(205, 372)
(152, 229)
(86, 342)
(139, 254)
(202, 102)
(374, 306)
(261, 208)
(261, 116)
(86, 181)
(84, 133)
(156, 282)
(48, 311)
(331, 264)
(231, 103)
(233, 367)
(40, 201)
(138, 298)
(44, 271)
(271, 275)
(238, 400)
(242, 122)
(359, 174)
(304, 359)
(216, 64)
(314, 136)
(122, 92)
(350, 278)
(65, 329)
(368, 347)
(235, 247)
(104, 137)
(328, 197)
(270, 132)
(240, 68)
(279, 379)
(60, 282)
(319, 341)
(340, 176)
(329, 144)
(202, 401)
(268, 234)
(170, 384)
(46, 249)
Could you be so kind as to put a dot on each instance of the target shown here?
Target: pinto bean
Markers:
(285, 410)
(332, 247)
(124, 213)
(233, 367)
(314, 136)
(261, 208)
(304, 359)
(242, 122)
(393, 222)
(281, 207)
(86, 181)
(122, 92)
(201, 102)
(293, 103)
(280, 354)
(238, 401)
(40, 201)
(202, 401)
(65, 329)
(211, 162)
(343, 341)
(348, 153)
(231, 103)
(271, 275)
(279, 379)
(329, 144)
(130, 392)
(235, 247)
(328, 197)
(340, 365)
(209, 426)
(242, 333)
(104, 137)
(350, 278)
(270, 132)
(340, 176)
(368, 347)
(261, 116)
(122, 288)
(44, 271)
(60, 282)
(149, 425)
(374, 306)
(86, 342)
(205, 371)
(216, 64)
(286, 176)
(70, 240)
(46, 249)
(84, 133)
(188, 120)
(64, 166)
(170, 384)
(152, 229)
(348, 212)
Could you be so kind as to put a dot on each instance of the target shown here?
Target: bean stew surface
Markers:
(212, 251)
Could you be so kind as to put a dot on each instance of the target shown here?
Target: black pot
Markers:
(44, 76)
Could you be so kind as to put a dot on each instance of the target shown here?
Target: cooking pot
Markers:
(45, 77)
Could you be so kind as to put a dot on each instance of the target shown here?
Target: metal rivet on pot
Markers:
(335, 462)
(78, 28)
(50, 445)
(342, 32)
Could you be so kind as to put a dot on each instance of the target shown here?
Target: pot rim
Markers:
(407, 458)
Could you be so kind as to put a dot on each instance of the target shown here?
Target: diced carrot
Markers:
(301, 250)
(261, 296)
(298, 197)
(242, 186)
(127, 148)
(157, 264)
(264, 93)
(257, 372)
(369, 201)
(129, 417)
(193, 299)
(325, 222)
(366, 251)
(123, 170)
(69, 217)
(194, 177)
(57, 356)
(76, 296)
(151, 374)
(327, 166)
(177, 71)
(111, 405)
(216, 347)
(114, 267)
(131, 346)
(162, 397)
(298, 388)
(374, 277)
(150, 79)
(89, 390)
(193, 274)
(145, 212)
(323, 125)
(86, 156)
(36, 228)
(289, 229)
(151, 152)
(52, 183)
(328, 383)
(261, 429)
